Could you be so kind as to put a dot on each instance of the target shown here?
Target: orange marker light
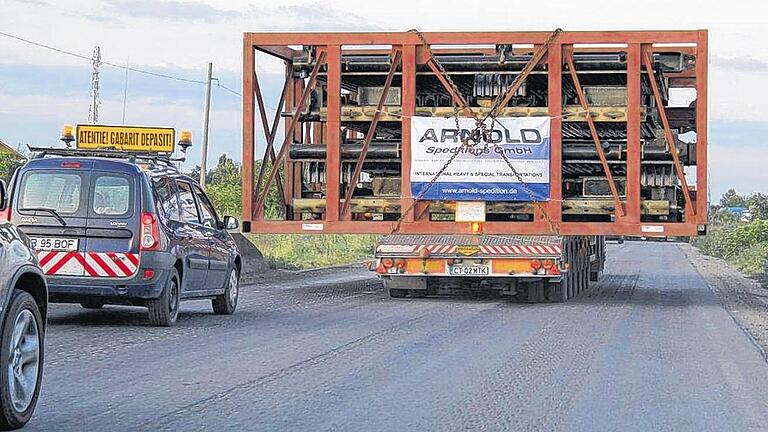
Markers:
(477, 228)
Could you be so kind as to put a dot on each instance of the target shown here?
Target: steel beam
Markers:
(333, 145)
(369, 135)
(269, 135)
(291, 126)
(595, 137)
(702, 132)
(633, 133)
(690, 213)
(249, 143)
(555, 111)
(408, 108)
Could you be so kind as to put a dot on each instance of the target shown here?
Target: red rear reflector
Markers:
(149, 273)
(70, 164)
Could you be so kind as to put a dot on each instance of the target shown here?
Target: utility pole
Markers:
(204, 156)
(93, 111)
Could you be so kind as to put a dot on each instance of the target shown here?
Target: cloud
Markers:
(33, 2)
(740, 64)
(316, 17)
(173, 10)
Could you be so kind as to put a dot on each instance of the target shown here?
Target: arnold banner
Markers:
(479, 172)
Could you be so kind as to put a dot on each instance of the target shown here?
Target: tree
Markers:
(758, 206)
(9, 162)
(732, 199)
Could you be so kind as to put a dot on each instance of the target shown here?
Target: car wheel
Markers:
(92, 304)
(21, 360)
(164, 310)
(226, 303)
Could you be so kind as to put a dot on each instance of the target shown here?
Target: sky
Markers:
(41, 90)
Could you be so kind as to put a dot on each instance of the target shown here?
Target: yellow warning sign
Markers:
(131, 138)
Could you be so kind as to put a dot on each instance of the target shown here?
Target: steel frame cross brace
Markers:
(369, 134)
(269, 133)
(568, 54)
(259, 208)
(457, 98)
(689, 210)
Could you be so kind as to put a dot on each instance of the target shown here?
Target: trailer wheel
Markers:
(397, 293)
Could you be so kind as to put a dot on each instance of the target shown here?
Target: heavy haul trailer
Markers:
(530, 268)
(589, 124)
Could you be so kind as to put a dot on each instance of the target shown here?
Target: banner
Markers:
(479, 172)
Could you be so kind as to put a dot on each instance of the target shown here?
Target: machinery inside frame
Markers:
(593, 80)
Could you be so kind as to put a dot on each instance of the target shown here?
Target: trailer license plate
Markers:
(473, 270)
(53, 244)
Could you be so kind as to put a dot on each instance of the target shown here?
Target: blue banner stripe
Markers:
(464, 191)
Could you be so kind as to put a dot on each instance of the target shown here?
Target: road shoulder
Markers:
(743, 298)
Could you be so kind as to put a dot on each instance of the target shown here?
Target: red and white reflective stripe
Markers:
(521, 249)
(92, 264)
(439, 249)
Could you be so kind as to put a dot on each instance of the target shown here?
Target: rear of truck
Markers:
(529, 268)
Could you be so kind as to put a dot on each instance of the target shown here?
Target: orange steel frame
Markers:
(407, 52)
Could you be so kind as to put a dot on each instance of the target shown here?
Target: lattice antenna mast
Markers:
(93, 111)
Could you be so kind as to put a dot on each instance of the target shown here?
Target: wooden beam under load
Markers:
(369, 135)
(570, 113)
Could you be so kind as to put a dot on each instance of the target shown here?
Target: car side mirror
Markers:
(3, 195)
(230, 223)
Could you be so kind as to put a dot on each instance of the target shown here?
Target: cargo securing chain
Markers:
(481, 128)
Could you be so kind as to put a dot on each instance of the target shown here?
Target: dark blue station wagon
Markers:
(115, 228)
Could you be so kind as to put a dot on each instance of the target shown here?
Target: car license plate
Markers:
(469, 270)
(54, 244)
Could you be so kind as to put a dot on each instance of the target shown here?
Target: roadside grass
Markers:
(304, 251)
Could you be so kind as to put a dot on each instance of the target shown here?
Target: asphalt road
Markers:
(648, 348)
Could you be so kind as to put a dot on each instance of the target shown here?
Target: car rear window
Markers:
(57, 191)
(111, 195)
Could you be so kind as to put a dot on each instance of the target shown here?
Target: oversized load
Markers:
(555, 133)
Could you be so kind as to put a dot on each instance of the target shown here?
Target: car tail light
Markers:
(535, 264)
(70, 164)
(149, 273)
(150, 232)
(387, 262)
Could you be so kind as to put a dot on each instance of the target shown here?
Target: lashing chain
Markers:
(481, 128)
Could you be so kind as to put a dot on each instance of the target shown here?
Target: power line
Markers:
(218, 84)
(119, 66)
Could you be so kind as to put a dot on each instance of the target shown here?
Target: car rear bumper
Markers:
(133, 290)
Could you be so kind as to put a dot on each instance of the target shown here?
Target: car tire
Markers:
(24, 325)
(164, 310)
(225, 304)
(92, 304)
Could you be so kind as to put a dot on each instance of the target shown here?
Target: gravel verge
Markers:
(745, 299)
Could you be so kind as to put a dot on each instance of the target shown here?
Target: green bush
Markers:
(751, 260)
(744, 237)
